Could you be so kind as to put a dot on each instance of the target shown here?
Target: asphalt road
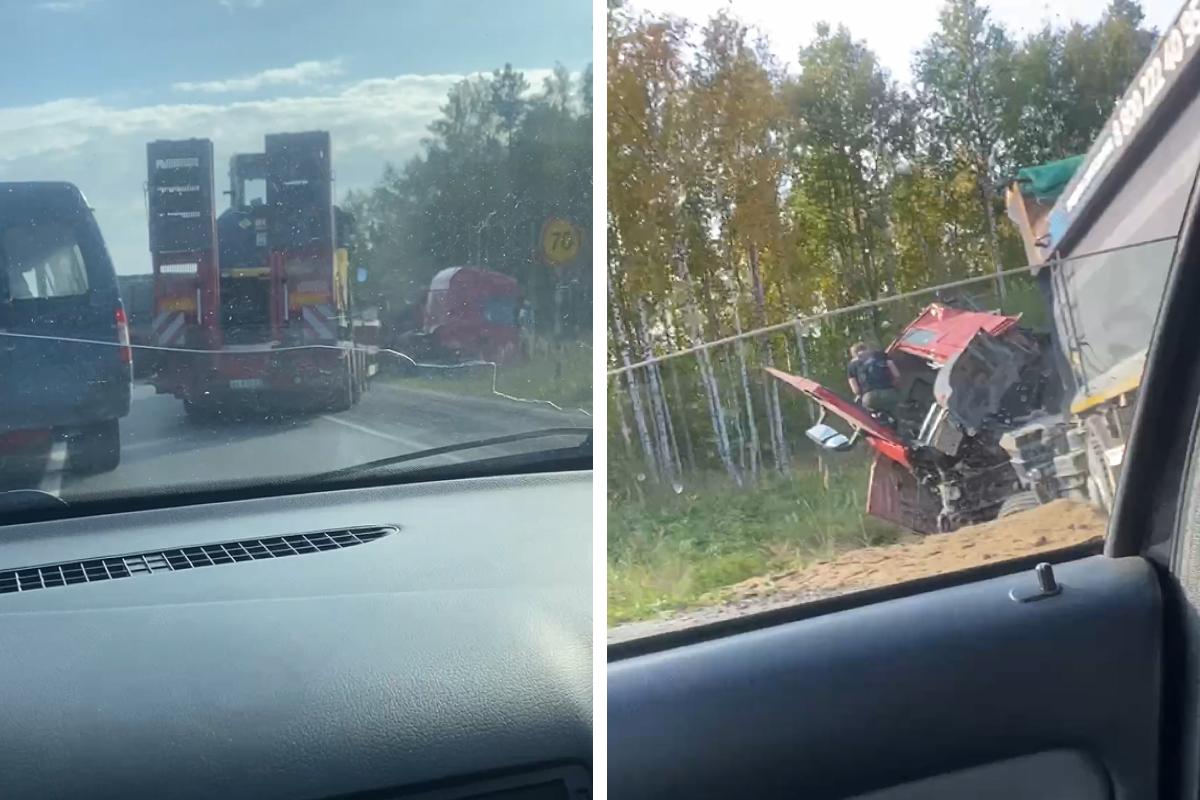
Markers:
(162, 447)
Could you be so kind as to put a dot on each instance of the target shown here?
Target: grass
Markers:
(560, 373)
(667, 551)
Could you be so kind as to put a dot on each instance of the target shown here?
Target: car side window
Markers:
(501, 311)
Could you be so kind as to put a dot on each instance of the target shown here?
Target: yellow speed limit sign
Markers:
(560, 241)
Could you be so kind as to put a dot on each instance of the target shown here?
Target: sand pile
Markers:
(1049, 527)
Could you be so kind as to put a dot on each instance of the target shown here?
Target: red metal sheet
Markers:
(890, 448)
(879, 436)
(893, 494)
(942, 332)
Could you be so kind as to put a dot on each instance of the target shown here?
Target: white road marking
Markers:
(410, 443)
(55, 463)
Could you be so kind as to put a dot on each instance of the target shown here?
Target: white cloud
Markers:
(300, 74)
(63, 5)
(102, 148)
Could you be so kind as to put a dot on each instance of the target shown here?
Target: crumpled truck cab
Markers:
(970, 381)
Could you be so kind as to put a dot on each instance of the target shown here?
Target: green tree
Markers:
(851, 126)
(1066, 81)
(1100, 61)
(496, 164)
(963, 73)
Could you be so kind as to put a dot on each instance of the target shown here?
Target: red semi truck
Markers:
(254, 306)
(469, 314)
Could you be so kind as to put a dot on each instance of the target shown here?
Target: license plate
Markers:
(246, 383)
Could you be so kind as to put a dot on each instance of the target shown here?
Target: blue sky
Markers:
(137, 48)
(89, 82)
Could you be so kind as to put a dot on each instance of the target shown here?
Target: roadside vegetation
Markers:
(560, 372)
(667, 550)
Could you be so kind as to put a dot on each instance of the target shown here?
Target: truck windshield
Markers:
(216, 256)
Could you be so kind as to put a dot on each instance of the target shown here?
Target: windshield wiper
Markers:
(16, 500)
(29, 505)
(582, 450)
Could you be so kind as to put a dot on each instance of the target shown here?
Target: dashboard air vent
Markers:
(26, 579)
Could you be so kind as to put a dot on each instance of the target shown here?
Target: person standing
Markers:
(873, 378)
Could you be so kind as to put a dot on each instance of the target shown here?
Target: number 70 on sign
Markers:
(560, 241)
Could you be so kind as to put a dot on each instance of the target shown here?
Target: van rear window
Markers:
(42, 261)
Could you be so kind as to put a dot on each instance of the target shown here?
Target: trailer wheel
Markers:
(95, 449)
(1016, 503)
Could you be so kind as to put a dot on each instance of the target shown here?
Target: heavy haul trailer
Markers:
(994, 417)
(254, 306)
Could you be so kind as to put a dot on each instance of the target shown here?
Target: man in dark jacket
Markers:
(873, 378)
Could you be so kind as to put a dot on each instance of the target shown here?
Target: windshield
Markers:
(247, 243)
(968, 193)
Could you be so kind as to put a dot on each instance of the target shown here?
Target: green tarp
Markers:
(1046, 182)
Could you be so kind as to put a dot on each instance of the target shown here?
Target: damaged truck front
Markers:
(967, 378)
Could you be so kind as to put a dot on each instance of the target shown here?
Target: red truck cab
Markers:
(471, 313)
(965, 376)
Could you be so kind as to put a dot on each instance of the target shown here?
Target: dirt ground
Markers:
(1049, 527)
(1055, 525)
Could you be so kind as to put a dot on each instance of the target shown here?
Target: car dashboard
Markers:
(428, 640)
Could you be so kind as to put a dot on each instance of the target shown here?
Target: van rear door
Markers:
(63, 363)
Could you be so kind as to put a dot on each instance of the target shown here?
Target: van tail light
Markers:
(123, 336)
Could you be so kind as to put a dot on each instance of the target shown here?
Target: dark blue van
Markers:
(64, 338)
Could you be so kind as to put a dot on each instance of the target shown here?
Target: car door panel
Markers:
(1057, 774)
(920, 688)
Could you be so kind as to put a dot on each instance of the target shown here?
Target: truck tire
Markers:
(1016, 503)
(199, 412)
(357, 380)
(343, 397)
(95, 449)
